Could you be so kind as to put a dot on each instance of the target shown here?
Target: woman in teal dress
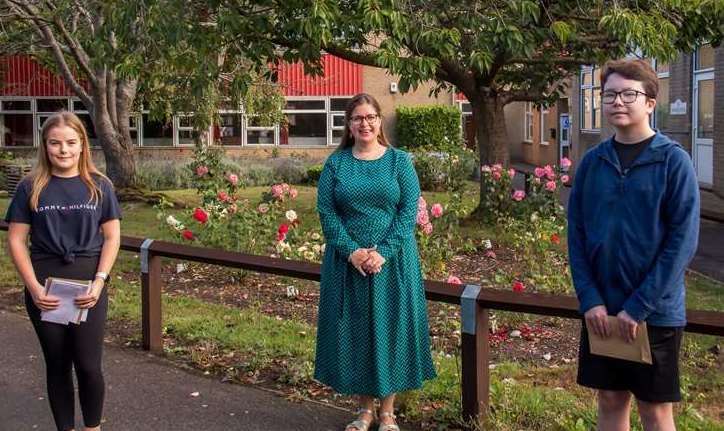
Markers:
(372, 337)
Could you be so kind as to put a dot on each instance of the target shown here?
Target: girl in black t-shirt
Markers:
(70, 211)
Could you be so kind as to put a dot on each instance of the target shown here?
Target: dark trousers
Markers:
(67, 347)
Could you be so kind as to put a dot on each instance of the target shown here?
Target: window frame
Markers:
(592, 70)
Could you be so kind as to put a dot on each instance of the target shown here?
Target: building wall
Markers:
(719, 124)
(376, 82)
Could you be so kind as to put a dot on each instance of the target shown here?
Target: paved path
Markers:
(145, 393)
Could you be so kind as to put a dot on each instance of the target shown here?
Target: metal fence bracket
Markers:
(467, 308)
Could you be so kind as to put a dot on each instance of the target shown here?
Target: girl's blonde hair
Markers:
(40, 176)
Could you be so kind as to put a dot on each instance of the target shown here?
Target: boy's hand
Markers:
(597, 319)
(627, 326)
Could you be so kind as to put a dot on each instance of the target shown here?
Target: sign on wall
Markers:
(678, 108)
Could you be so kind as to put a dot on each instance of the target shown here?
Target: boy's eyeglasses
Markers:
(627, 96)
(358, 119)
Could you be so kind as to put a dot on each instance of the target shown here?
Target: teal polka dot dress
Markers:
(372, 333)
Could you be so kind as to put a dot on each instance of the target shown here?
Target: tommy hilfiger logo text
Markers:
(67, 207)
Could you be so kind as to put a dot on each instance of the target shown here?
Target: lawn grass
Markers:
(522, 397)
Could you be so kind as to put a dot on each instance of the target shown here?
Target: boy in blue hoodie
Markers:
(633, 226)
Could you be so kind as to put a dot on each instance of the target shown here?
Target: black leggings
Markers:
(76, 346)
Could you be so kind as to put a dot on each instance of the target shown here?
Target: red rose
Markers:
(555, 239)
(283, 228)
(281, 237)
(518, 286)
(187, 234)
(200, 215)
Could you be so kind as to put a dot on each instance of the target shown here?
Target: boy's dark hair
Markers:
(635, 70)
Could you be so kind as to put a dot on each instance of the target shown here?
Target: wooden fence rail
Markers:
(475, 304)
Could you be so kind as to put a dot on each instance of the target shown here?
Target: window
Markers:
(543, 119)
(590, 107)
(52, 105)
(306, 123)
(157, 133)
(661, 114)
(704, 58)
(185, 132)
(337, 107)
(16, 123)
(228, 131)
(528, 122)
(258, 133)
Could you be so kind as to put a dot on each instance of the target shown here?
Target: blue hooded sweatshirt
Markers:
(632, 233)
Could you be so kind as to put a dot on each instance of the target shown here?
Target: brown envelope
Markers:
(616, 347)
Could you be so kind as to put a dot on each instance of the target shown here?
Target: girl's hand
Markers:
(89, 300)
(373, 265)
(43, 301)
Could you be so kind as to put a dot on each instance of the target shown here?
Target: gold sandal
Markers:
(360, 424)
(388, 427)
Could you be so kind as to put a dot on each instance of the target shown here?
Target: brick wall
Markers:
(680, 77)
(719, 123)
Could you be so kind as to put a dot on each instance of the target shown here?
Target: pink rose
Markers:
(223, 196)
(285, 187)
(293, 193)
(436, 210)
(539, 172)
(565, 179)
(566, 163)
(497, 167)
(491, 254)
(551, 186)
(485, 169)
(427, 229)
(421, 204)
(496, 175)
(511, 173)
(277, 191)
(233, 208)
(233, 179)
(422, 217)
(202, 170)
(550, 173)
(518, 195)
(453, 280)
(263, 208)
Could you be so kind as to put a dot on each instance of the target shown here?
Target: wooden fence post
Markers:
(475, 376)
(151, 298)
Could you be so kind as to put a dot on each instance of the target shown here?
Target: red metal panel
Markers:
(341, 78)
(23, 76)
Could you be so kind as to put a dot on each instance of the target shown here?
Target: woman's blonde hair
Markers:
(360, 99)
(40, 176)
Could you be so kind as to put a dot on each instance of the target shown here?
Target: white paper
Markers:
(67, 311)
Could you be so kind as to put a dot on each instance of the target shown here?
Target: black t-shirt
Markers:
(627, 153)
(66, 223)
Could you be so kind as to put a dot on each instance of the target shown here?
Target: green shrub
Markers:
(313, 173)
(443, 171)
(289, 170)
(435, 128)
(164, 174)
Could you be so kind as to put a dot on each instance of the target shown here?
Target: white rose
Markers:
(316, 248)
(309, 255)
(291, 215)
(316, 237)
(302, 249)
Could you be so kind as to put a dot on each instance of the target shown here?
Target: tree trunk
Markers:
(117, 149)
(490, 134)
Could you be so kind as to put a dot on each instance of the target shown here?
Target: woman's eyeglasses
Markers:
(358, 119)
(627, 96)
